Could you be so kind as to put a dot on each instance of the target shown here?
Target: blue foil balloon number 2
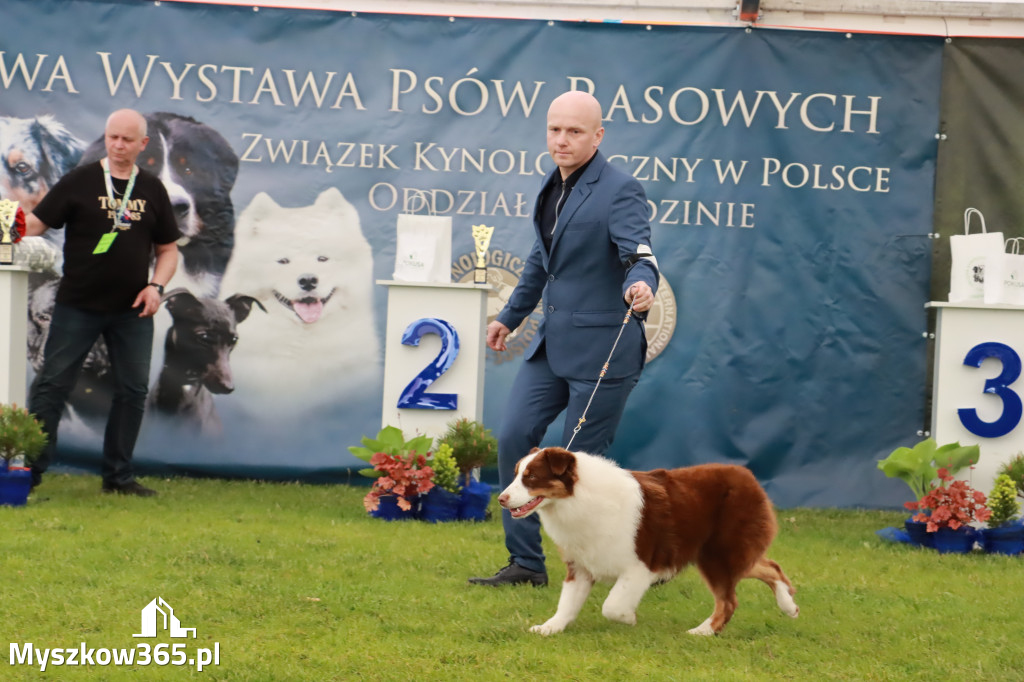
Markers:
(998, 386)
(415, 394)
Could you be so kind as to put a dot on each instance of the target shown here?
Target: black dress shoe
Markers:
(513, 574)
(129, 488)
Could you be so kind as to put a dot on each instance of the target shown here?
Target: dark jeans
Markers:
(536, 398)
(129, 340)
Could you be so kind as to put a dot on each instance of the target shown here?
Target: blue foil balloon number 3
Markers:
(415, 394)
(998, 386)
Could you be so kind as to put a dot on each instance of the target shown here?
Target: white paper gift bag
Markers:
(1004, 275)
(423, 248)
(968, 260)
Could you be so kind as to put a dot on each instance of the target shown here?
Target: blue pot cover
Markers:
(959, 541)
(15, 485)
(1005, 539)
(389, 510)
(918, 532)
(439, 505)
(476, 495)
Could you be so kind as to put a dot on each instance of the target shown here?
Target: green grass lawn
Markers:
(296, 582)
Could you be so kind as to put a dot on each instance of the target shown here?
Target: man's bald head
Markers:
(580, 103)
(574, 130)
(128, 117)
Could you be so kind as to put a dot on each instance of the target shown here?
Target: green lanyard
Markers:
(119, 213)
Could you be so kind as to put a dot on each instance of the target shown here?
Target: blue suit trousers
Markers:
(537, 397)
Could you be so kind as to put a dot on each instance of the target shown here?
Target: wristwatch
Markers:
(159, 287)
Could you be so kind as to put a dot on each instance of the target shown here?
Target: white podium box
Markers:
(14, 318)
(977, 385)
(438, 372)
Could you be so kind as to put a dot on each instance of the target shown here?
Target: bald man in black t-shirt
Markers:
(116, 218)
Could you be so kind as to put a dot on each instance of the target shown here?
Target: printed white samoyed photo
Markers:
(311, 268)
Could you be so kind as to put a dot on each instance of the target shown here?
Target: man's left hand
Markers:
(149, 299)
(640, 296)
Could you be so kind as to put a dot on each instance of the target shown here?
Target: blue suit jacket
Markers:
(582, 281)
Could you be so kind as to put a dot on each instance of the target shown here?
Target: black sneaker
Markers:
(129, 488)
(513, 574)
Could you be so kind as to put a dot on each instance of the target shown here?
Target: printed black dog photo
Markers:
(197, 350)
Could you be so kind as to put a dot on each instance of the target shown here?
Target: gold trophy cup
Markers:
(8, 213)
(481, 239)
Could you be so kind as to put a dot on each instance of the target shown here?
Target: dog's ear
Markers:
(260, 213)
(560, 460)
(533, 450)
(63, 150)
(241, 305)
(178, 300)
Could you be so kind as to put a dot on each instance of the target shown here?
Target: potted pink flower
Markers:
(918, 468)
(951, 505)
(399, 469)
(395, 493)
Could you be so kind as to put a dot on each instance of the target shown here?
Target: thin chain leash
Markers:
(604, 370)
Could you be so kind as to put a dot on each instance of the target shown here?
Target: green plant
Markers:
(390, 441)
(951, 504)
(446, 470)
(918, 467)
(471, 443)
(20, 434)
(1002, 501)
(1015, 470)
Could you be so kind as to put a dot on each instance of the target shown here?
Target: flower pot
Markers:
(476, 495)
(918, 532)
(15, 485)
(959, 541)
(1005, 539)
(389, 510)
(439, 505)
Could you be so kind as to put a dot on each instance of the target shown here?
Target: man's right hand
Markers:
(496, 333)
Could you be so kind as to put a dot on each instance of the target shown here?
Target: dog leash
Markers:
(604, 370)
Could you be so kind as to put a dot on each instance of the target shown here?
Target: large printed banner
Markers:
(789, 175)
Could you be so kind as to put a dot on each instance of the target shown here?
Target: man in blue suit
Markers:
(592, 260)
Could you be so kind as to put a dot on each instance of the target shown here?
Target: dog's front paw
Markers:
(551, 627)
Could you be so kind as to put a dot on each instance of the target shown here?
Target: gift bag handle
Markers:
(967, 220)
(420, 200)
(1014, 245)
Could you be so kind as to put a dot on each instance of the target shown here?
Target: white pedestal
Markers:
(968, 335)
(14, 322)
(464, 307)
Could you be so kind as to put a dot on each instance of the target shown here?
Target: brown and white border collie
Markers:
(638, 528)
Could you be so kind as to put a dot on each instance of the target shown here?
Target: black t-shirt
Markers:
(106, 282)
